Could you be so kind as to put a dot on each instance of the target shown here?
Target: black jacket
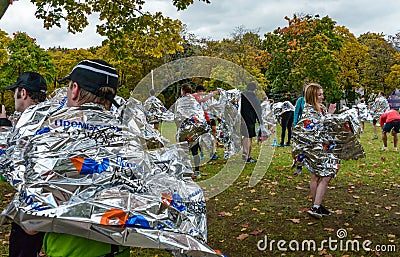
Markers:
(250, 107)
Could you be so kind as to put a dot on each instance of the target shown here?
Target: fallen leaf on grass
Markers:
(223, 214)
(391, 236)
(356, 197)
(322, 252)
(304, 210)
(339, 212)
(256, 232)
(9, 195)
(295, 221)
(242, 236)
(245, 225)
(329, 229)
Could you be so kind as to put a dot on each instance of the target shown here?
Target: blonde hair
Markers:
(87, 97)
(311, 95)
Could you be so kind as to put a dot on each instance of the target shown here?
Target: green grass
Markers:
(364, 198)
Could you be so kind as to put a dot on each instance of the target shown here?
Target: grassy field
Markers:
(363, 198)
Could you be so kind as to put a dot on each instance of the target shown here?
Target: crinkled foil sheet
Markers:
(155, 111)
(320, 142)
(190, 120)
(80, 171)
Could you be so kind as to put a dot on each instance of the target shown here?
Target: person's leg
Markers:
(395, 131)
(23, 244)
(384, 138)
(246, 147)
(289, 127)
(196, 158)
(250, 146)
(284, 123)
(375, 136)
(321, 190)
(313, 185)
(283, 134)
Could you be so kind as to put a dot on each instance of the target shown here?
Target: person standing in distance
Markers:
(29, 90)
(250, 109)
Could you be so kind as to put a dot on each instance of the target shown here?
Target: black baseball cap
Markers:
(91, 75)
(31, 81)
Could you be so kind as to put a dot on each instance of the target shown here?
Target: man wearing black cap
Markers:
(92, 86)
(29, 90)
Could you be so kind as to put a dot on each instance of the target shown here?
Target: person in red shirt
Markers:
(390, 121)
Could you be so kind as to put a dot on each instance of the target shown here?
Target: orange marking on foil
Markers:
(78, 163)
(114, 217)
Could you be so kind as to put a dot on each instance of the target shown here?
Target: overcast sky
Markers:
(220, 18)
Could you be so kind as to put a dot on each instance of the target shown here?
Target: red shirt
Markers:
(389, 116)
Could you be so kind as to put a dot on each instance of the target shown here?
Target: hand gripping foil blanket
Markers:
(80, 171)
(320, 142)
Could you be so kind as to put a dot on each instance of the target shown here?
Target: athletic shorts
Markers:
(248, 130)
(395, 125)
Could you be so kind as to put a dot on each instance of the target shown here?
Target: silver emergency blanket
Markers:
(320, 142)
(351, 115)
(134, 117)
(190, 120)
(155, 111)
(363, 112)
(268, 121)
(379, 106)
(225, 108)
(280, 107)
(78, 170)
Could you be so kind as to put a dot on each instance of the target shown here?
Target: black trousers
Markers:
(22, 244)
(286, 124)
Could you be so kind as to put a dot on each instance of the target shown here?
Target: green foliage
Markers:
(24, 55)
(300, 53)
(375, 68)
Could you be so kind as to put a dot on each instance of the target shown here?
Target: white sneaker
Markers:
(384, 148)
(395, 149)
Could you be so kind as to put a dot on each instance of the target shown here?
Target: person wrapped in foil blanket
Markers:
(320, 142)
(79, 170)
